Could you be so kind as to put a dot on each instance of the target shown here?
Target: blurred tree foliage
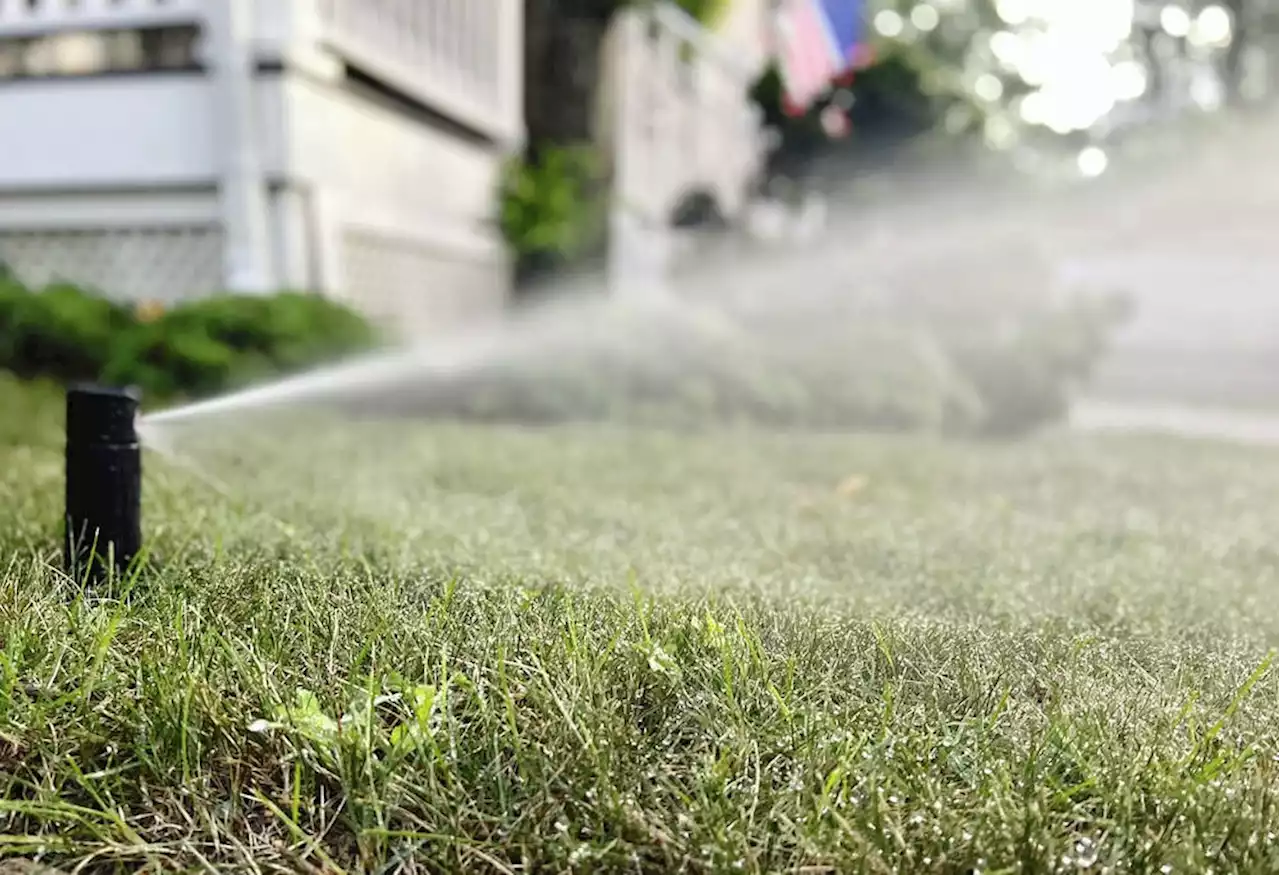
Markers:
(1018, 74)
(1028, 75)
(888, 103)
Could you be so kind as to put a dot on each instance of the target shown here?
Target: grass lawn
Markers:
(482, 649)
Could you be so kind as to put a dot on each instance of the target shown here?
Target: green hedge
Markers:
(195, 348)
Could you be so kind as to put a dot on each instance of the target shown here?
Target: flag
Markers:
(818, 41)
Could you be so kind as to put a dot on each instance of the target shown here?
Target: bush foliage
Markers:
(552, 208)
(195, 348)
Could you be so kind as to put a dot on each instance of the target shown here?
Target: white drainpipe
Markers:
(241, 188)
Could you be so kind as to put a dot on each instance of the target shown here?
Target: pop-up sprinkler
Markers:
(104, 482)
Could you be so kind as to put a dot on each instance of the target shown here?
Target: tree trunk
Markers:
(562, 68)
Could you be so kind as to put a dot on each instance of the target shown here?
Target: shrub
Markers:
(287, 330)
(195, 348)
(168, 359)
(550, 205)
(59, 331)
(213, 343)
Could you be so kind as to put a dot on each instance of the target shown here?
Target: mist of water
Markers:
(815, 313)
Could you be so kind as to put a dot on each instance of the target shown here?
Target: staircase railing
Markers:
(683, 125)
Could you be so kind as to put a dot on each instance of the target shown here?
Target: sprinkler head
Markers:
(103, 482)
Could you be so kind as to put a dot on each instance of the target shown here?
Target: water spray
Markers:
(103, 482)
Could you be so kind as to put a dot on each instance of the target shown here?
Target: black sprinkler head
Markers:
(103, 482)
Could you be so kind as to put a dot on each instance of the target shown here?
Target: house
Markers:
(160, 149)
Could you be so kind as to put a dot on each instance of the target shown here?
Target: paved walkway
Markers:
(1238, 426)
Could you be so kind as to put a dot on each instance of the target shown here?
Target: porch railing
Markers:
(462, 57)
(683, 125)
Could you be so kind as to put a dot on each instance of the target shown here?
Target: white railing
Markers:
(460, 56)
(682, 124)
(32, 17)
(684, 121)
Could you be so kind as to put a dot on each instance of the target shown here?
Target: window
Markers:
(89, 53)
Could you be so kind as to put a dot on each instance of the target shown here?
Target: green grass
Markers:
(581, 649)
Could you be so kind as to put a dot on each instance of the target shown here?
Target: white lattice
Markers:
(152, 264)
(413, 289)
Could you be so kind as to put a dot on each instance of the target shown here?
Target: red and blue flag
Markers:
(819, 41)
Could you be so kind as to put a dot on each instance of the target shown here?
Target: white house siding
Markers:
(402, 207)
(265, 169)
